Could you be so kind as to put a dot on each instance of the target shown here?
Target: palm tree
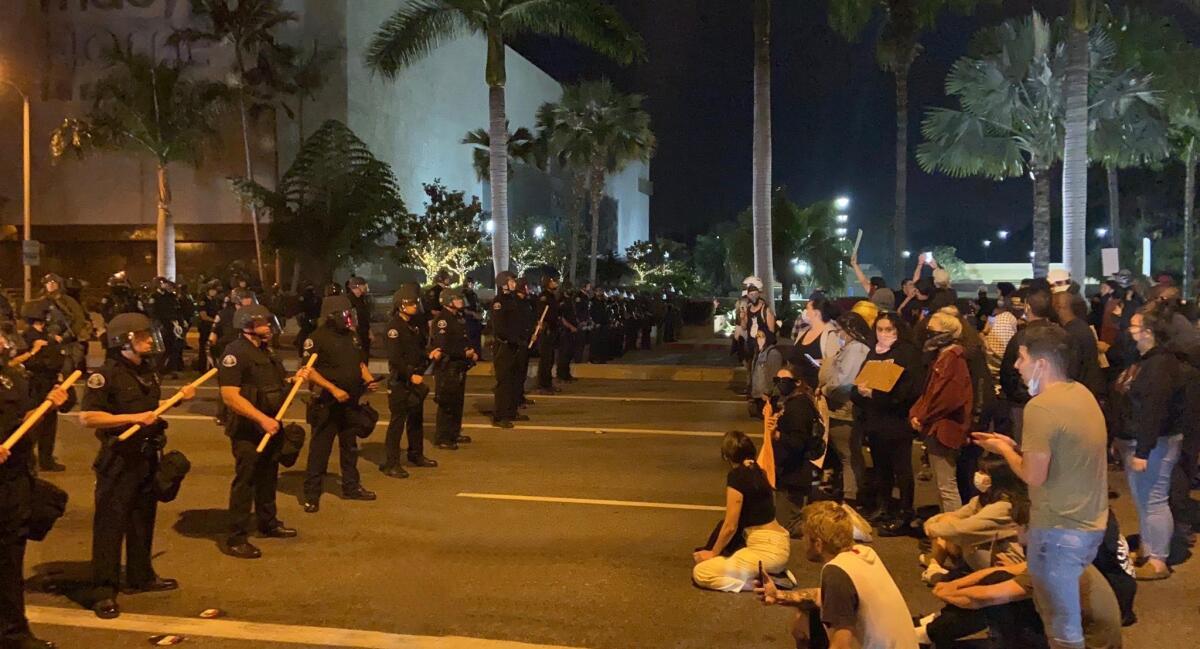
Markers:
(421, 25)
(607, 130)
(143, 106)
(897, 47)
(335, 201)
(573, 155)
(1013, 107)
(249, 27)
(522, 146)
(1139, 139)
(1075, 142)
(761, 163)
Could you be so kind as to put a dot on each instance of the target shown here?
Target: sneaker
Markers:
(934, 574)
(1147, 572)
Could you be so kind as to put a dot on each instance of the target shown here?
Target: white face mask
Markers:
(983, 482)
(1035, 383)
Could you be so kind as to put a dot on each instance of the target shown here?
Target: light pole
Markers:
(26, 168)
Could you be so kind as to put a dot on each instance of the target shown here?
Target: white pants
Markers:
(737, 573)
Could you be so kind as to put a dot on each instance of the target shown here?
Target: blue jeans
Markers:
(1057, 558)
(1151, 491)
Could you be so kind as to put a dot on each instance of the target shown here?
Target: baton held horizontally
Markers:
(36, 416)
(262, 445)
(168, 404)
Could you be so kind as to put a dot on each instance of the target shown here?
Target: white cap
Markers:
(1059, 279)
(753, 280)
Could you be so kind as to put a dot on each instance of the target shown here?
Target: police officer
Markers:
(569, 334)
(123, 392)
(507, 333)
(208, 308)
(473, 315)
(67, 318)
(164, 308)
(341, 379)
(310, 312)
(45, 366)
(407, 362)
(360, 297)
(454, 356)
(16, 498)
(223, 331)
(548, 339)
(120, 298)
(253, 387)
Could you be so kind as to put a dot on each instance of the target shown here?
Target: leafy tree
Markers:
(607, 129)
(660, 264)
(710, 258)
(449, 235)
(333, 204)
(947, 257)
(1011, 92)
(532, 251)
(147, 107)
(522, 146)
(249, 27)
(896, 48)
(419, 26)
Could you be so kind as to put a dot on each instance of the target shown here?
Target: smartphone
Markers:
(762, 576)
(928, 257)
(815, 362)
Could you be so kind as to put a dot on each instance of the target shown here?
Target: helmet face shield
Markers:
(146, 342)
(349, 318)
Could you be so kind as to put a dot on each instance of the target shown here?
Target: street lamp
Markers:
(906, 254)
(841, 232)
(843, 218)
(1002, 235)
(1031, 254)
(841, 203)
(539, 232)
(1101, 232)
(26, 170)
(987, 243)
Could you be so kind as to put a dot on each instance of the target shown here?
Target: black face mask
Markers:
(937, 341)
(785, 386)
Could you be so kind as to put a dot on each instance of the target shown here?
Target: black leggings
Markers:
(893, 468)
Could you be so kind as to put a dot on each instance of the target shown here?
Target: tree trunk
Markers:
(498, 176)
(596, 184)
(900, 216)
(1189, 202)
(165, 226)
(578, 188)
(1041, 222)
(1075, 155)
(761, 164)
(1114, 207)
(250, 175)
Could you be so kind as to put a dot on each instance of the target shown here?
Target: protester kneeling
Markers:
(749, 536)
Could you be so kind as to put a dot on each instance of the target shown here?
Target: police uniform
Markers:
(474, 319)
(362, 306)
(126, 502)
(16, 496)
(568, 335)
(506, 332)
(164, 307)
(339, 361)
(67, 318)
(406, 357)
(45, 368)
(528, 322)
(257, 372)
(450, 336)
(548, 338)
(209, 309)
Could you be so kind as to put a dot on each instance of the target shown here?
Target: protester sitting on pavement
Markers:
(836, 383)
(816, 340)
(943, 413)
(1001, 592)
(767, 361)
(970, 537)
(1150, 437)
(882, 419)
(857, 604)
(749, 521)
(799, 440)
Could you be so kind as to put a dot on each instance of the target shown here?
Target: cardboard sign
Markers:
(879, 375)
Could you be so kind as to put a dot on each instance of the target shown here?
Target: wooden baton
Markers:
(38, 413)
(262, 445)
(168, 404)
(538, 329)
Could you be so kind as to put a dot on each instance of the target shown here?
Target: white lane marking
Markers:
(567, 397)
(260, 632)
(591, 501)
(558, 429)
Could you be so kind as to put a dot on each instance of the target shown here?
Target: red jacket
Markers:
(944, 408)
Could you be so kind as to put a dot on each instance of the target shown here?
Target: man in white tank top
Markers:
(858, 603)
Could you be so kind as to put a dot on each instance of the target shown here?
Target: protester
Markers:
(882, 420)
(1062, 459)
(836, 384)
(767, 361)
(942, 414)
(798, 442)
(816, 340)
(858, 603)
(1149, 438)
(1038, 313)
(1071, 311)
(749, 523)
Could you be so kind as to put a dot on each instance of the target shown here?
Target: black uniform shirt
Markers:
(450, 335)
(224, 324)
(259, 374)
(15, 401)
(506, 318)
(339, 358)
(548, 302)
(527, 319)
(121, 388)
(48, 363)
(405, 349)
(211, 306)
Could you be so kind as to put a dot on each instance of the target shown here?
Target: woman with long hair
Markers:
(943, 413)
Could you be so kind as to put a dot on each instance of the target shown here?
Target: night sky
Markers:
(833, 114)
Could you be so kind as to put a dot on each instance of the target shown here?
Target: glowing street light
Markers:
(1101, 232)
(1002, 235)
(987, 243)
(490, 226)
(539, 232)
(841, 203)
(906, 254)
(801, 267)
(841, 232)
(1031, 254)
(842, 218)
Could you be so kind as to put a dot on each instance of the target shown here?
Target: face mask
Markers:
(886, 340)
(786, 386)
(937, 341)
(1035, 384)
(983, 482)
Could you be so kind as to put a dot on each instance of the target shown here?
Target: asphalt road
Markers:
(426, 567)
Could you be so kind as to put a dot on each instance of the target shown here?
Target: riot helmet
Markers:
(247, 319)
(131, 331)
(337, 310)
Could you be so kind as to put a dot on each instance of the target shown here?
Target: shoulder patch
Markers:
(392, 333)
(496, 305)
(441, 324)
(308, 343)
(96, 381)
(229, 361)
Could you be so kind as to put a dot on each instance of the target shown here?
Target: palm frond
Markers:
(592, 23)
(413, 31)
